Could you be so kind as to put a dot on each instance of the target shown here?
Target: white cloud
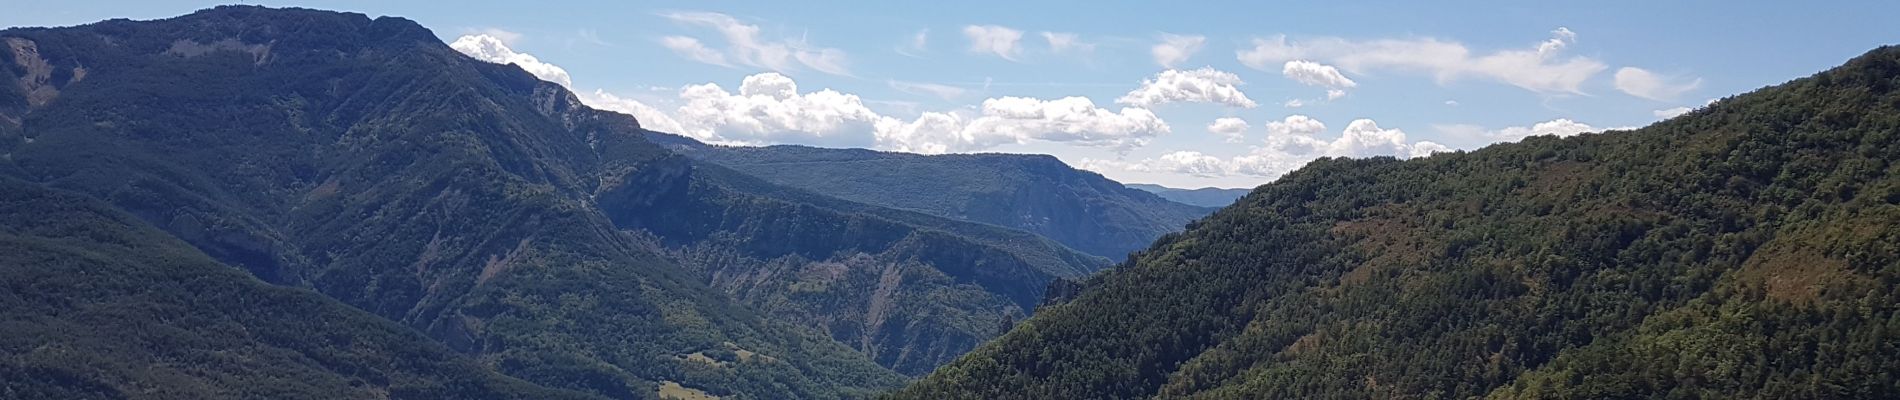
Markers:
(918, 42)
(947, 92)
(1295, 125)
(1062, 42)
(1175, 49)
(1284, 152)
(650, 118)
(692, 49)
(1541, 69)
(1668, 113)
(1361, 138)
(1453, 103)
(1642, 83)
(507, 37)
(1205, 85)
(1315, 74)
(1001, 41)
(1074, 120)
(746, 47)
(1294, 103)
(1561, 127)
(768, 108)
(492, 49)
(1234, 129)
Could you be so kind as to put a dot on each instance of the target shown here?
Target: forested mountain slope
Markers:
(1034, 193)
(910, 290)
(366, 160)
(99, 305)
(1750, 249)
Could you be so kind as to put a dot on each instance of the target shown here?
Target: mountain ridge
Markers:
(1033, 193)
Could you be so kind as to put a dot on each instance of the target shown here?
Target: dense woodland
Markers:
(1750, 249)
(365, 160)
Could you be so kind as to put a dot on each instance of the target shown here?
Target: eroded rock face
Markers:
(260, 53)
(37, 82)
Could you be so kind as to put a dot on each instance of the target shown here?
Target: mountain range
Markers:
(249, 202)
(512, 234)
(1204, 197)
(1032, 193)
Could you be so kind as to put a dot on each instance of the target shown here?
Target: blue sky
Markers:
(1141, 92)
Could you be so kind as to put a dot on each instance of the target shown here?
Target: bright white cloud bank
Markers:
(1541, 68)
(1074, 120)
(1205, 85)
(489, 48)
(770, 108)
(1290, 144)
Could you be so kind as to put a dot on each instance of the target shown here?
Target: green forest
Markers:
(1746, 250)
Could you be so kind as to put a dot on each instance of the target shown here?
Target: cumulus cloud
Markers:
(1642, 83)
(999, 40)
(1315, 74)
(492, 49)
(1073, 120)
(745, 46)
(650, 117)
(1295, 125)
(1561, 127)
(768, 108)
(1175, 49)
(1234, 129)
(1542, 68)
(1284, 152)
(1205, 85)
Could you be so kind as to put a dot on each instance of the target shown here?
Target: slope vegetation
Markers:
(366, 160)
(1747, 250)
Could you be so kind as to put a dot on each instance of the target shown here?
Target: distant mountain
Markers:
(910, 290)
(367, 161)
(1750, 249)
(1204, 197)
(1034, 193)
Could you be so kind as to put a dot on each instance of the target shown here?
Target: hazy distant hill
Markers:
(1204, 197)
(1033, 193)
(1747, 250)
